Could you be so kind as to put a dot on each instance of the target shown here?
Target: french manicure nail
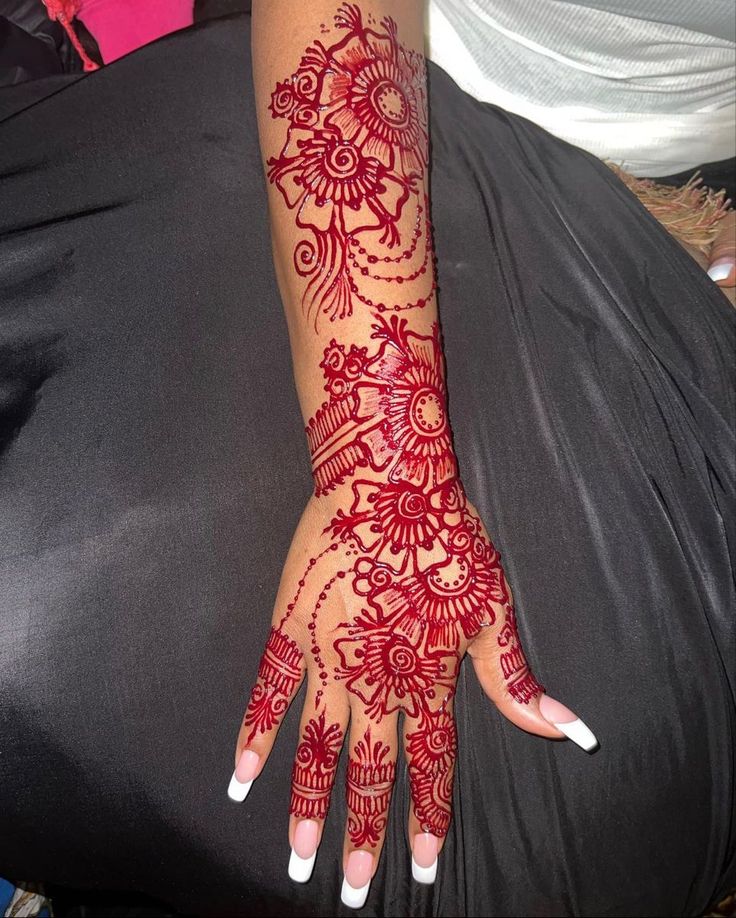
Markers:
(424, 858)
(243, 775)
(568, 723)
(304, 850)
(720, 270)
(357, 880)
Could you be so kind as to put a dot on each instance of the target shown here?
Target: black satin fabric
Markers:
(153, 469)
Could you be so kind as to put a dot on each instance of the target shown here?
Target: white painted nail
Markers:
(577, 731)
(300, 868)
(354, 898)
(237, 790)
(423, 874)
(720, 271)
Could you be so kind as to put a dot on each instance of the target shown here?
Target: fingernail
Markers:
(568, 722)
(424, 858)
(243, 776)
(304, 850)
(720, 269)
(357, 880)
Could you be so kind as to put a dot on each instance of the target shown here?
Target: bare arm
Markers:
(391, 575)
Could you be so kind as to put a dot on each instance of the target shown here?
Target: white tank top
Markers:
(650, 84)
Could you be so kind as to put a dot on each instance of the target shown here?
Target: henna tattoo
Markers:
(279, 673)
(370, 780)
(314, 768)
(404, 552)
(431, 750)
(386, 409)
(353, 164)
(521, 683)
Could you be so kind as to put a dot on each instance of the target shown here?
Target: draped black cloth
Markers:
(153, 468)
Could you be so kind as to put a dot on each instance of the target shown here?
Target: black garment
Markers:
(154, 468)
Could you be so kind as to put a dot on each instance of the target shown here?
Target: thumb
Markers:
(722, 267)
(505, 676)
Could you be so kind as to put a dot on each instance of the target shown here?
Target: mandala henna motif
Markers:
(279, 673)
(370, 780)
(353, 163)
(314, 768)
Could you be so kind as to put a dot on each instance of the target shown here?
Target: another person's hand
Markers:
(722, 257)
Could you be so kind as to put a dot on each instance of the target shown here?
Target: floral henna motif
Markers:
(353, 164)
(431, 751)
(403, 552)
(314, 768)
(370, 780)
(387, 408)
(279, 673)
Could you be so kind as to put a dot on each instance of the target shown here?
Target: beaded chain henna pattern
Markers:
(353, 165)
(408, 558)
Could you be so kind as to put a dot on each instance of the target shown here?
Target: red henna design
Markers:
(354, 157)
(314, 768)
(431, 750)
(418, 561)
(279, 673)
(389, 667)
(370, 780)
(390, 411)
(521, 682)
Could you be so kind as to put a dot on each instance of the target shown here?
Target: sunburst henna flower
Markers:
(390, 670)
(374, 89)
(411, 398)
(331, 175)
(459, 590)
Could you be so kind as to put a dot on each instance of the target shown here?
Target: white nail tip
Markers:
(424, 874)
(719, 272)
(354, 898)
(300, 868)
(580, 734)
(238, 791)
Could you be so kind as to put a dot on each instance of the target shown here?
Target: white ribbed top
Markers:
(650, 84)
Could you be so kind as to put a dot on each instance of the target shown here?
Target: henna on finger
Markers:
(370, 781)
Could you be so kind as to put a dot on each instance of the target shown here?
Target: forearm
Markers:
(341, 103)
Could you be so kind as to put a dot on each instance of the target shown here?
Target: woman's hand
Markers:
(378, 604)
(390, 579)
(391, 576)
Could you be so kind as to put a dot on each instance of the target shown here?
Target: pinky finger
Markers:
(280, 673)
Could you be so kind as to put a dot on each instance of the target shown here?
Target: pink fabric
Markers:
(121, 26)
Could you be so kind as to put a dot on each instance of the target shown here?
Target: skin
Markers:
(320, 636)
(272, 62)
(723, 247)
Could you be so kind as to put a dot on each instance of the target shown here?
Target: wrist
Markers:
(386, 412)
